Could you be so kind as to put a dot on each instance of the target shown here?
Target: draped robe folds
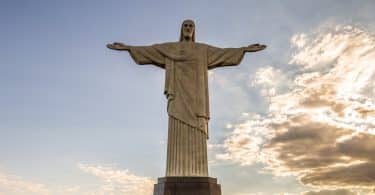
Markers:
(186, 88)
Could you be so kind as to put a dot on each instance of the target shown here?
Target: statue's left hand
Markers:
(255, 47)
(118, 46)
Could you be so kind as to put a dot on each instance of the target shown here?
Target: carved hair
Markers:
(181, 33)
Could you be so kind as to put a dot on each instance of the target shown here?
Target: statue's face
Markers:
(188, 28)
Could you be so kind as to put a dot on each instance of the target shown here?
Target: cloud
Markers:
(321, 126)
(71, 189)
(246, 141)
(119, 181)
(111, 181)
(17, 185)
(270, 81)
(331, 192)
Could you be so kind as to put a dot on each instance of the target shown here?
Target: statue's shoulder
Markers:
(201, 44)
(167, 45)
(178, 44)
(204, 46)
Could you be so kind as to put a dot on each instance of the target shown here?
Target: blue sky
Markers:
(72, 111)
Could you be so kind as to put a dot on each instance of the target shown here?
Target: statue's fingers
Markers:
(111, 46)
(261, 47)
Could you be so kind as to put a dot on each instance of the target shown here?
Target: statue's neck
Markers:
(187, 39)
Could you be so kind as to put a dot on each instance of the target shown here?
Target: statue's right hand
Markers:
(118, 46)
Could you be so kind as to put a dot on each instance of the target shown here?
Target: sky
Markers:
(79, 119)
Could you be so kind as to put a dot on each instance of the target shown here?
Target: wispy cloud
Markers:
(115, 181)
(331, 192)
(270, 81)
(321, 126)
(18, 185)
(112, 181)
(246, 142)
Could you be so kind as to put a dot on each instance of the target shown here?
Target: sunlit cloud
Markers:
(18, 185)
(246, 142)
(71, 190)
(320, 124)
(331, 192)
(115, 181)
(270, 81)
(112, 181)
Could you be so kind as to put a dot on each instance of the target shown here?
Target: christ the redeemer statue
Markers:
(186, 63)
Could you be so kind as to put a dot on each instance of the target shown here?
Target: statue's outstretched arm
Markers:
(118, 46)
(255, 47)
(141, 54)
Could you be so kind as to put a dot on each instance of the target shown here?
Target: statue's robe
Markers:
(186, 88)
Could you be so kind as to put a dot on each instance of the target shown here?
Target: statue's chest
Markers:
(190, 54)
(192, 63)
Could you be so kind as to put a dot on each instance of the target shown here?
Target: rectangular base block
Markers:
(187, 186)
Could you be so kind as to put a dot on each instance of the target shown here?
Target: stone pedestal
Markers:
(187, 186)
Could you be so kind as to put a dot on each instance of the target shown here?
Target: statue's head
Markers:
(187, 31)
